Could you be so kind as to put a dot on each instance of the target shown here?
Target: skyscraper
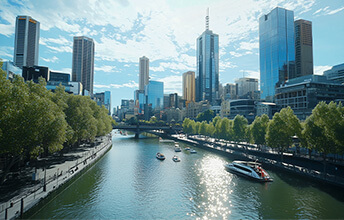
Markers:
(144, 73)
(26, 42)
(303, 48)
(276, 50)
(189, 87)
(207, 65)
(83, 63)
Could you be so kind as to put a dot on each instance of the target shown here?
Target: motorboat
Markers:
(165, 140)
(192, 151)
(187, 148)
(175, 158)
(177, 148)
(250, 169)
(160, 156)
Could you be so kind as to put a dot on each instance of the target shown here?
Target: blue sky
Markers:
(165, 31)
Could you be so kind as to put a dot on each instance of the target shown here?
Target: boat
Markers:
(187, 148)
(160, 156)
(192, 151)
(165, 140)
(250, 169)
(175, 158)
(177, 149)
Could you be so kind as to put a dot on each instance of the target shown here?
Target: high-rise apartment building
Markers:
(26, 42)
(207, 65)
(276, 50)
(83, 63)
(303, 48)
(189, 87)
(246, 85)
(144, 72)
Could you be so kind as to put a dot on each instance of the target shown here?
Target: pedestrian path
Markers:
(53, 177)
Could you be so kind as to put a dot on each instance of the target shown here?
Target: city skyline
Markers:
(170, 44)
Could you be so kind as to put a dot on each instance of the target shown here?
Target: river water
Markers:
(130, 183)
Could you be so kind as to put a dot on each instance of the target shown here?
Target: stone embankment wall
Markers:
(56, 177)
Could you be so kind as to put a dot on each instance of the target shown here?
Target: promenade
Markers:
(61, 170)
(310, 168)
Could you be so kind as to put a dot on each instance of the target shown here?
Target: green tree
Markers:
(258, 129)
(205, 116)
(197, 127)
(216, 120)
(210, 130)
(224, 129)
(239, 128)
(203, 128)
(283, 126)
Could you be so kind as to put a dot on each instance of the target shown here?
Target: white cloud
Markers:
(6, 52)
(172, 84)
(107, 69)
(327, 11)
(130, 84)
(60, 44)
(319, 70)
(54, 59)
(249, 45)
(226, 64)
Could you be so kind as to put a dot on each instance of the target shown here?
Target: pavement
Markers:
(19, 195)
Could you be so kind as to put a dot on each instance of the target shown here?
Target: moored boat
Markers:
(175, 158)
(187, 148)
(160, 156)
(177, 148)
(250, 169)
(192, 151)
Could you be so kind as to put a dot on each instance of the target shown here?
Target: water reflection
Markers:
(130, 183)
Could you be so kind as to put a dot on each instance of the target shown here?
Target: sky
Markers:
(165, 31)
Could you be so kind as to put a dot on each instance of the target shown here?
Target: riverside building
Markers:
(26, 44)
(207, 82)
(276, 50)
(144, 72)
(83, 63)
(189, 87)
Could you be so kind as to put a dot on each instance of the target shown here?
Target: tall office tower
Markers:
(83, 63)
(207, 65)
(189, 87)
(144, 73)
(303, 48)
(26, 42)
(276, 50)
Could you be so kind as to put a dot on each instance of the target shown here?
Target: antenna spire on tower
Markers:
(207, 20)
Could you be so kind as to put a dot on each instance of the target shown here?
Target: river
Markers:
(130, 183)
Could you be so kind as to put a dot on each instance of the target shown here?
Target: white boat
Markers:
(175, 158)
(187, 148)
(165, 140)
(177, 149)
(160, 156)
(192, 151)
(250, 169)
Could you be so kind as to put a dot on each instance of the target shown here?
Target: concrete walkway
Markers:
(55, 175)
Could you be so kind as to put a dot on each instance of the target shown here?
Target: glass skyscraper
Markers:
(83, 63)
(26, 42)
(154, 92)
(207, 82)
(276, 50)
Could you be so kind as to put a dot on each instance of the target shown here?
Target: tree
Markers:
(239, 128)
(283, 126)
(210, 130)
(197, 127)
(224, 130)
(203, 128)
(258, 129)
(216, 120)
(205, 116)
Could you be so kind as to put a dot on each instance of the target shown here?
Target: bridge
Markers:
(153, 129)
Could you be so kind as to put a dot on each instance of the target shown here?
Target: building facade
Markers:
(207, 56)
(194, 108)
(189, 87)
(104, 98)
(302, 94)
(276, 50)
(230, 91)
(246, 85)
(336, 73)
(26, 44)
(303, 48)
(154, 92)
(83, 63)
(244, 107)
(144, 72)
(11, 69)
(267, 108)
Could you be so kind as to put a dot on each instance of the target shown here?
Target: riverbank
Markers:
(305, 167)
(62, 171)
